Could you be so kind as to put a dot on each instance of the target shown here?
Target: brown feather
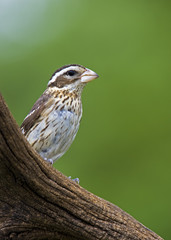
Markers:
(35, 113)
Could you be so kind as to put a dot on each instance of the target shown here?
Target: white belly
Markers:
(55, 140)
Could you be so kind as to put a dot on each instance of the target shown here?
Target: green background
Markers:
(122, 152)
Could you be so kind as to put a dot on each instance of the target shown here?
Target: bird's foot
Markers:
(48, 160)
(76, 180)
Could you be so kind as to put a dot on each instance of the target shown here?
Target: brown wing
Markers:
(35, 113)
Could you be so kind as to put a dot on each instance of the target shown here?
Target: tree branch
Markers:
(39, 202)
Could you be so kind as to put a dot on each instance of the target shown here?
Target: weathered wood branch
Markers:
(39, 202)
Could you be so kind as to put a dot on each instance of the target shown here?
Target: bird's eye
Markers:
(71, 73)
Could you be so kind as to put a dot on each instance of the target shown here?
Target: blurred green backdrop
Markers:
(123, 149)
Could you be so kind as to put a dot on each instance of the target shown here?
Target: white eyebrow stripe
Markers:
(53, 79)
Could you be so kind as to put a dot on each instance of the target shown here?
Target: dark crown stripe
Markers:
(66, 66)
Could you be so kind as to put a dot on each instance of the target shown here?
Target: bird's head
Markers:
(71, 77)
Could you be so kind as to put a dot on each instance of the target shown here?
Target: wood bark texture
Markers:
(38, 202)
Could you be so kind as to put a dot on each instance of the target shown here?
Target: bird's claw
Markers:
(48, 160)
(76, 180)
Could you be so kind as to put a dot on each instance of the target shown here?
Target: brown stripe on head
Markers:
(66, 75)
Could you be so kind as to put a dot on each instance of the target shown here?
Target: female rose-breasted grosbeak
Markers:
(54, 120)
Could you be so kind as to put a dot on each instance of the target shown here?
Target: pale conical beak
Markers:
(88, 76)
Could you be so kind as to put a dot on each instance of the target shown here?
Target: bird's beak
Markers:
(88, 76)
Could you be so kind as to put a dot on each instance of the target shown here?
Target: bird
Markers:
(53, 122)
